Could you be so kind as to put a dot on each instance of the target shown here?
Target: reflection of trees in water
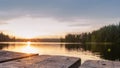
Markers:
(3, 46)
(110, 52)
(74, 47)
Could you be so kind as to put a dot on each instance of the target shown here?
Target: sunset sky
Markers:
(55, 18)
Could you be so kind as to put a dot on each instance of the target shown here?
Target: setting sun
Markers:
(29, 27)
(47, 29)
(28, 43)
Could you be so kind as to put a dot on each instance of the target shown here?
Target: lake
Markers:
(85, 52)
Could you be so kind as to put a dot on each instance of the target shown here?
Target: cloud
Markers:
(62, 10)
(79, 25)
(77, 13)
(3, 23)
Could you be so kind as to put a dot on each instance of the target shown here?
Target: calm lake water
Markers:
(85, 52)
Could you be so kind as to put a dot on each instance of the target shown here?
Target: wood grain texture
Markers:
(100, 64)
(6, 56)
(37, 61)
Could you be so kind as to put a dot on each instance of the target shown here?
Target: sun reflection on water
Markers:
(29, 49)
(53, 49)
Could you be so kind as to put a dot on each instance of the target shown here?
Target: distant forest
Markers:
(7, 38)
(110, 33)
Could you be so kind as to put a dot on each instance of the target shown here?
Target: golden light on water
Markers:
(25, 47)
(29, 49)
(50, 49)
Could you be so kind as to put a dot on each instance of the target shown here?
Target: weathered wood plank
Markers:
(43, 61)
(6, 56)
(24, 62)
(58, 62)
(100, 64)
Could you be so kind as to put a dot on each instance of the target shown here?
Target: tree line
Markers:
(109, 33)
(5, 38)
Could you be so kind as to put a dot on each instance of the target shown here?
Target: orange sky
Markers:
(55, 18)
(30, 27)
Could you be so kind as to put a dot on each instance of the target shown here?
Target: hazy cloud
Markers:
(2, 23)
(79, 25)
(85, 14)
(60, 9)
